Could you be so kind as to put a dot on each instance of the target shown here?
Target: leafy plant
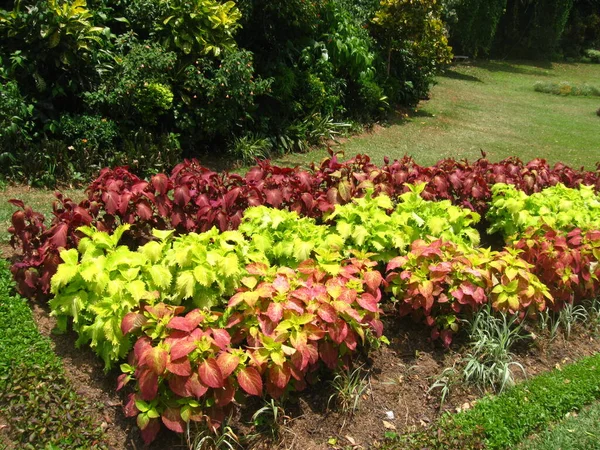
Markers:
(349, 386)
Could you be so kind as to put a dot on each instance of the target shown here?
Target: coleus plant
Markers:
(273, 333)
(512, 211)
(194, 198)
(98, 284)
(439, 282)
(566, 262)
(375, 224)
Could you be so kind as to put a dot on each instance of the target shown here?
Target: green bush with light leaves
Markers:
(513, 212)
(372, 224)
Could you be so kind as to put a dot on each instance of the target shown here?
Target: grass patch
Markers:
(490, 106)
(566, 88)
(581, 431)
(35, 397)
(504, 421)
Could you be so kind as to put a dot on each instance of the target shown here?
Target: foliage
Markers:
(566, 262)
(566, 88)
(274, 332)
(439, 283)
(593, 55)
(413, 36)
(194, 198)
(36, 417)
(512, 211)
(475, 25)
(489, 361)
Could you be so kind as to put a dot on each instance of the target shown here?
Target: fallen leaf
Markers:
(389, 425)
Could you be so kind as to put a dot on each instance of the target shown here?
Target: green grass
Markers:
(491, 106)
(579, 432)
(36, 399)
(502, 422)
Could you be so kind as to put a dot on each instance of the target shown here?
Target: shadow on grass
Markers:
(538, 68)
(460, 76)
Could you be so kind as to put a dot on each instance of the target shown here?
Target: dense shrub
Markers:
(208, 75)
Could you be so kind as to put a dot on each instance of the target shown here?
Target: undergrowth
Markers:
(51, 415)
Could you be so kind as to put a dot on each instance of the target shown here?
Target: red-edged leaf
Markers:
(275, 311)
(122, 380)
(373, 279)
(227, 363)
(16, 202)
(368, 302)
(182, 348)
(221, 337)
(156, 359)
(178, 385)
(180, 366)
(149, 433)
(148, 381)
(171, 417)
(345, 191)
(194, 386)
(224, 396)
(132, 322)
(338, 331)
(250, 381)
(329, 354)
(279, 375)
(182, 324)
(327, 312)
(210, 373)
(130, 409)
(140, 348)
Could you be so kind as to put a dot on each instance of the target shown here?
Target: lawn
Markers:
(491, 106)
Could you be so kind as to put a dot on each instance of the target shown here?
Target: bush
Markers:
(593, 55)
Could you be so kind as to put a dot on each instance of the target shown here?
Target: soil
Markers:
(397, 398)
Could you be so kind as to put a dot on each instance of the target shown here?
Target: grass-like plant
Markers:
(349, 386)
(566, 88)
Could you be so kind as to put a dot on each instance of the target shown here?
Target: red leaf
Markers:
(210, 373)
(141, 347)
(281, 284)
(148, 381)
(329, 354)
(368, 302)
(143, 210)
(221, 337)
(224, 395)
(182, 348)
(373, 279)
(178, 385)
(160, 182)
(149, 433)
(327, 312)
(171, 417)
(279, 375)
(122, 380)
(182, 324)
(275, 311)
(194, 386)
(227, 363)
(156, 359)
(250, 381)
(182, 195)
(274, 197)
(111, 200)
(132, 322)
(58, 235)
(180, 366)
(130, 409)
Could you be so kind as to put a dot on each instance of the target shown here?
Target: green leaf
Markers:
(185, 284)
(64, 274)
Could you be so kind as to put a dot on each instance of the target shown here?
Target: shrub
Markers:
(593, 55)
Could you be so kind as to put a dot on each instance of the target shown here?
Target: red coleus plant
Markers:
(565, 262)
(274, 332)
(438, 282)
(194, 198)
